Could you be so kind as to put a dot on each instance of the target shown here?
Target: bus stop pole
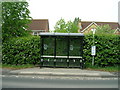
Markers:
(93, 60)
(93, 55)
(93, 47)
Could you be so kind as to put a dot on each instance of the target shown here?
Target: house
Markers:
(39, 25)
(87, 26)
(117, 31)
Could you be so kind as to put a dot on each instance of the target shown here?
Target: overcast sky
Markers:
(86, 10)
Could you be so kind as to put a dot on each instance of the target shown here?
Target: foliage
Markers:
(107, 49)
(15, 17)
(60, 26)
(67, 27)
(0, 21)
(21, 50)
(104, 29)
(108, 68)
(24, 50)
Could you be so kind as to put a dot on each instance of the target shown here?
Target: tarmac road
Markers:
(14, 81)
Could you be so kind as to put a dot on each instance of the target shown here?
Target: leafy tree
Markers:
(67, 27)
(60, 26)
(74, 26)
(104, 29)
(0, 22)
(15, 19)
(76, 21)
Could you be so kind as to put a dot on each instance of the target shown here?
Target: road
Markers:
(13, 81)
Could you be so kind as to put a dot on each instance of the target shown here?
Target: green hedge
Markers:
(24, 50)
(107, 49)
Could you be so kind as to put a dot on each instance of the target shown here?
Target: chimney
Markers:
(79, 26)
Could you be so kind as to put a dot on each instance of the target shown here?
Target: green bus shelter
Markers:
(61, 50)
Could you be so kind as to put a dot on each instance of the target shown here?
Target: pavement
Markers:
(60, 72)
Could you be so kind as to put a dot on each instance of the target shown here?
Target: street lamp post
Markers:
(93, 49)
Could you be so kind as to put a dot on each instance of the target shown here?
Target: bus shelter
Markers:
(61, 50)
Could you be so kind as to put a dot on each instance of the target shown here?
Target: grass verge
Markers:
(5, 66)
(94, 68)
(107, 69)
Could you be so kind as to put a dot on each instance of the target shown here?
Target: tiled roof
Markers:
(85, 24)
(113, 25)
(39, 24)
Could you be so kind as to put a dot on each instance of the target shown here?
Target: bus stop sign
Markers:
(93, 50)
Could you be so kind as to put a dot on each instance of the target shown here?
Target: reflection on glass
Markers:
(71, 47)
(45, 46)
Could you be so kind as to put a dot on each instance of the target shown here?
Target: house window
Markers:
(35, 33)
(42, 30)
(80, 27)
(93, 30)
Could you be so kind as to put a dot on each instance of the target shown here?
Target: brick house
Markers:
(87, 26)
(39, 25)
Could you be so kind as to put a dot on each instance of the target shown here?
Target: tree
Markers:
(15, 19)
(74, 26)
(69, 27)
(104, 29)
(0, 22)
(60, 26)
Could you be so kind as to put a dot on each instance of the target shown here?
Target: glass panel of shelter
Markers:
(48, 46)
(75, 47)
(61, 46)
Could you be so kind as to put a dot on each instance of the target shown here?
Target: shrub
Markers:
(107, 52)
(26, 50)
(21, 50)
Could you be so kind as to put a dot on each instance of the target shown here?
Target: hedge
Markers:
(107, 49)
(22, 50)
(26, 50)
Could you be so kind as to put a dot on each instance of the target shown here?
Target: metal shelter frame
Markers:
(56, 58)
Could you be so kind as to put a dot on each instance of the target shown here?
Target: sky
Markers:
(86, 10)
